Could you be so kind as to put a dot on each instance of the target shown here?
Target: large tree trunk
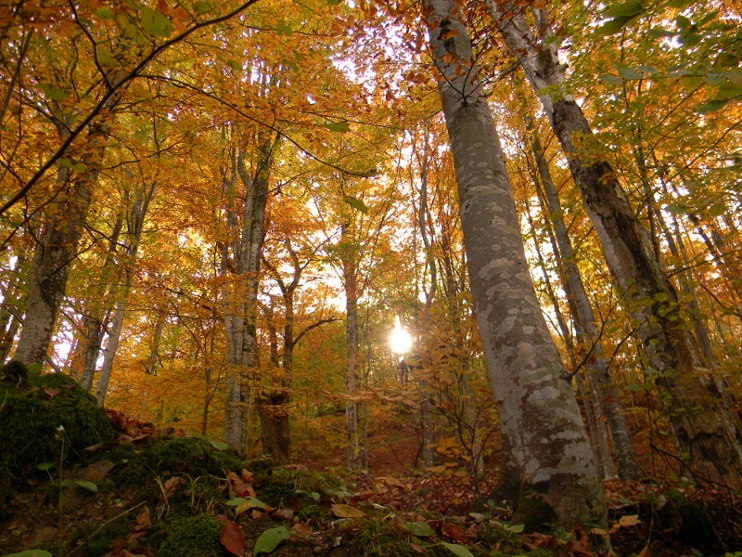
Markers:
(240, 299)
(707, 438)
(557, 478)
(57, 247)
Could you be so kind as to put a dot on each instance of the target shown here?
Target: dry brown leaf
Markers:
(346, 511)
(172, 484)
(301, 529)
(233, 539)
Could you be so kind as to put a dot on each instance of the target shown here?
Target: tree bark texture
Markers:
(348, 256)
(241, 259)
(708, 440)
(586, 329)
(538, 411)
(57, 249)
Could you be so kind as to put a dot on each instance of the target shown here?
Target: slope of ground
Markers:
(146, 494)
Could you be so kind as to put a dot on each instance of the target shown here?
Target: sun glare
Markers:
(400, 340)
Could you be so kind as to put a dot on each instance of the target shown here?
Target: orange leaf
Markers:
(453, 533)
(52, 392)
(233, 539)
(144, 519)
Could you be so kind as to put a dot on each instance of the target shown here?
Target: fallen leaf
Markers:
(392, 481)
(416, 548)
(625, 522)
(346, 511)
(453, 532)
(144, 519)
(301, 529)
(239, 487)
(172, 484)
(270, 538)
(233, 539)
(52, 392)
(629, 520)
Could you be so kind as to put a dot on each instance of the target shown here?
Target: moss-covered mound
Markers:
(44, 419)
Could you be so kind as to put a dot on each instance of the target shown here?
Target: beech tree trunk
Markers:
(241, 260)
(348, 254)
(98, 311)
(57, 248)
(134, 225)
(708, 441)
(557, 478)
(585, 327)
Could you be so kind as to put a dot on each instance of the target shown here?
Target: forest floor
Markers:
(147, 494)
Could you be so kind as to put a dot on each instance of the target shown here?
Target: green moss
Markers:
(173, 456)
(97, 540)
(36, 413)
(284, 486)
(532, 510)
(196, 536)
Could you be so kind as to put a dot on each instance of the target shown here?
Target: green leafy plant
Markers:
(270, 539)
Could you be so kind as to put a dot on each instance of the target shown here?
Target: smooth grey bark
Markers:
(592, 402)
(241, 262)
(97, 316)
(57, 248)
(348, 255)
(134, 226)
(429, 293)
(557, 479)
(709, 443)
(588, 335)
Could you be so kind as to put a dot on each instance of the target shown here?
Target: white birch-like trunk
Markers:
(557, 478)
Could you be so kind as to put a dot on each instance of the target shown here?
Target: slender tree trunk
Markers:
(154, 360)
(558, 481)
(12, 307)
(352, 345)
(707, 438)
(112, 345)
(588, 336)
(97, 316)
(135, 224)
(427, 418)
(592, 402)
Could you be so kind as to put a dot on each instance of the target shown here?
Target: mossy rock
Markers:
(196, 536)
(284, 487)
(60, 419)
(169, 456)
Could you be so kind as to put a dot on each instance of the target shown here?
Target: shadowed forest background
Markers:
(214, 212)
